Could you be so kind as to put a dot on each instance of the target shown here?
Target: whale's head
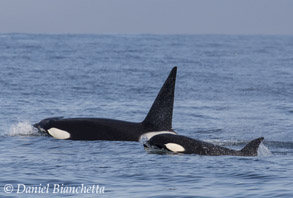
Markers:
(46, 124)
(165, 143)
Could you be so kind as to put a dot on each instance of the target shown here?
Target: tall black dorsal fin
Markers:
(160, 115)
(251, 148)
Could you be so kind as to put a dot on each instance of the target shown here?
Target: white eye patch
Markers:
(174, 147)
(59, 134)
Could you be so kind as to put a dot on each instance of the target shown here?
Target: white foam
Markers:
(263, 151)
(147, 136)
(22, 129)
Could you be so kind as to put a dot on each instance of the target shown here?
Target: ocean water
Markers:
(229, 90)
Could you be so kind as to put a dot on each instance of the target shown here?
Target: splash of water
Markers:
(263, 151)
(23, 129)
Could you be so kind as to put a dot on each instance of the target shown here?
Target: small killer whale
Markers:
(181, 144)
(157, 121)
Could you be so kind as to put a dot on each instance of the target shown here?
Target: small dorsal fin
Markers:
(160, 115)
(251, 148)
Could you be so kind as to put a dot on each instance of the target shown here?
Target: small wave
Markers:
(280, 144)
(23, 129)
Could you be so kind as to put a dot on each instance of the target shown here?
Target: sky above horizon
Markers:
(147, 16)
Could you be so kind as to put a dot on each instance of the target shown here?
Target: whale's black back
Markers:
(193, 146)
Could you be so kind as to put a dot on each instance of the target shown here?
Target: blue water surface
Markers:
(229, 90)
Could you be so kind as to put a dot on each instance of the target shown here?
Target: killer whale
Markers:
(181, 144)
(157, 121)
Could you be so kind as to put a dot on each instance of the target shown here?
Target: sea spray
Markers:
(263, 151)
(22, 129)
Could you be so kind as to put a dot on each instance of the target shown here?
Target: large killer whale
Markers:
(157, 121)
(172, 143)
